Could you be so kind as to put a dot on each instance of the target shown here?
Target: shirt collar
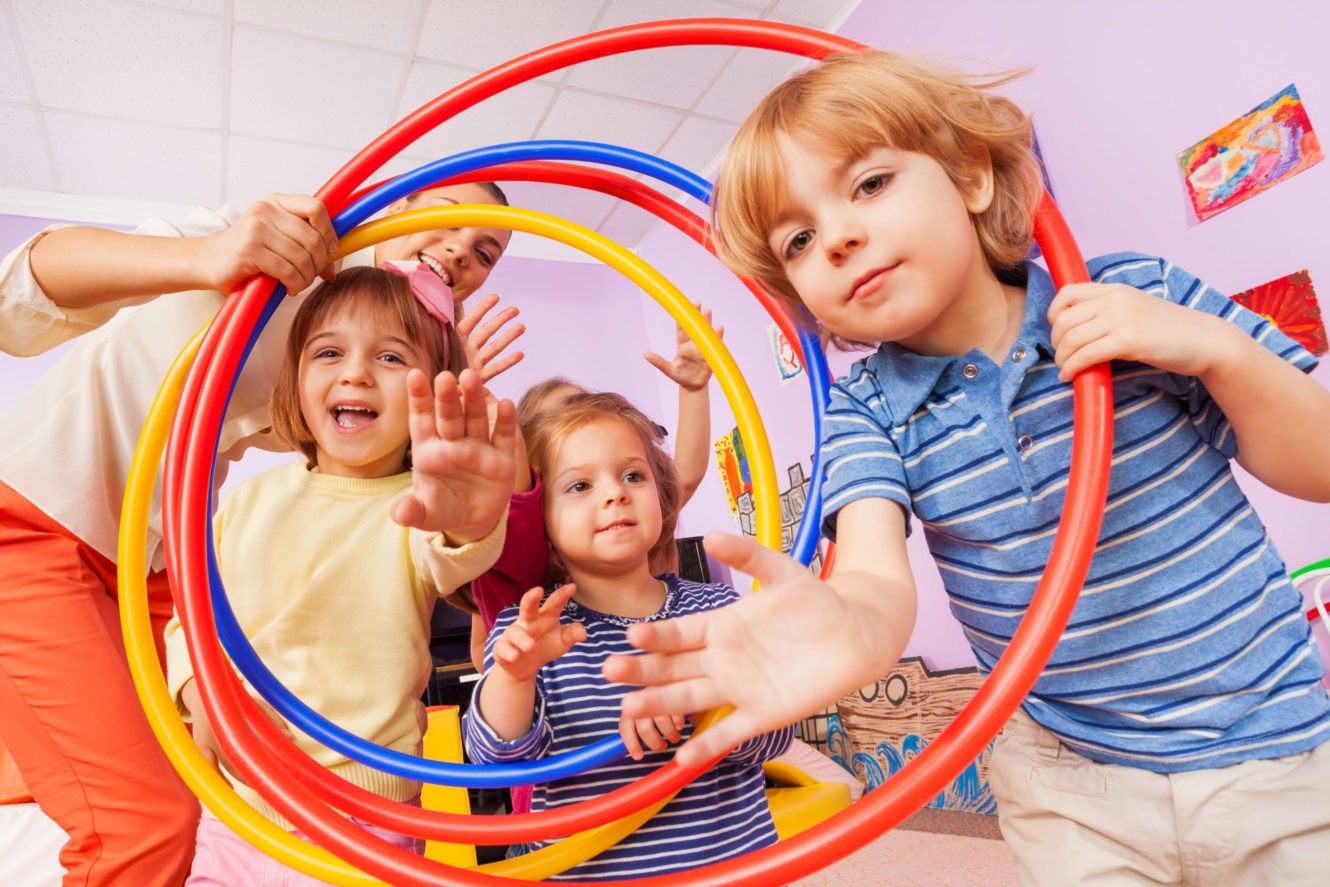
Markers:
(906, 378)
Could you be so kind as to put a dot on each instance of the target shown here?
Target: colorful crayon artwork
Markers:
(1266, 145)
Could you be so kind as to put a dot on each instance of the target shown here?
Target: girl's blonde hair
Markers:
(855, 103)
(546, 431)
(376, 296)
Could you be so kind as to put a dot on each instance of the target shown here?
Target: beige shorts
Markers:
(1072, 821)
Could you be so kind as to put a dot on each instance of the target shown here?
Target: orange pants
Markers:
(70, 716)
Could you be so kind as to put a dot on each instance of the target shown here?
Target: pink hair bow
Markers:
(428, 288)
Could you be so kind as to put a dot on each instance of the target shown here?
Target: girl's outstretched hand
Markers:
(462, 474)
(536, 636)
(770, 655)
(688, 369)
(487, 357)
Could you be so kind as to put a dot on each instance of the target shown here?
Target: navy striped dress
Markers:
(722, 814)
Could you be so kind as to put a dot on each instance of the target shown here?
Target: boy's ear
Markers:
(977, 186)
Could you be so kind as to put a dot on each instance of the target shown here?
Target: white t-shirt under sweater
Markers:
(66, 446)
(336, 598)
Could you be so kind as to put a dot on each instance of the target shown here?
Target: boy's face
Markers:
(881, 248)
(463, 257)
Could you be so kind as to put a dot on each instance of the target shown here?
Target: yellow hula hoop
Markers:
(212, 790)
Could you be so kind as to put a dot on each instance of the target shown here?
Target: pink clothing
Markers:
(224, 859)
(525, 557)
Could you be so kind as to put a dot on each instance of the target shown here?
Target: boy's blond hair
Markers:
(855, 103)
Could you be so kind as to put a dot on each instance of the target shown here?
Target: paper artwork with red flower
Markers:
(1290, 304)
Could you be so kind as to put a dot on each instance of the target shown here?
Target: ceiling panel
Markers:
(24, 161)
(186, 163)
(124, 60)
(389, 25)
(480, 35)
(142, 103)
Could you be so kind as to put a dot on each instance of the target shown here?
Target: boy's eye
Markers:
(485, 258)
(871, 185)
(798, 243)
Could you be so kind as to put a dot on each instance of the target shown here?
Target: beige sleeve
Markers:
(443, 567)
(30, 323)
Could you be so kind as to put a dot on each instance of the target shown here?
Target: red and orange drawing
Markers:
(1290, 303)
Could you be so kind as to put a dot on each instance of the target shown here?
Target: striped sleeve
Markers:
(1162, 278)
(859, 458)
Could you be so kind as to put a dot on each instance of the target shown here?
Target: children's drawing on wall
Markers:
(1290, 303)
(881, 727)
(1269, 143)
(788, 364)
(733, 462)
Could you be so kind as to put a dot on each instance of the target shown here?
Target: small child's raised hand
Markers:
(536, 636)
(655, 733)
(1093, 323)
(462, 473)
(484, 356)
(286, 236)
(688, 369)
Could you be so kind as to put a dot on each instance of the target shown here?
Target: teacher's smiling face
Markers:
(463, 257)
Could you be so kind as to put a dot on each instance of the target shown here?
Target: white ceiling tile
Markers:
(698, 144)
(123, 60)
(627, 225)
(283, 86)
(818, 13)
(745, 81)
(510, 116)
(203, 7)
(13, 82)
(259, 166)
(482, 35)
(23, 159)
(391, 25)
(579, 115)
(675, 76)
(117, 158)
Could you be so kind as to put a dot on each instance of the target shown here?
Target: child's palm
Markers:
(537, 636)
(462, 474)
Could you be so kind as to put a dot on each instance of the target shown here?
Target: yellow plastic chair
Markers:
(798, 802)
(443, 742)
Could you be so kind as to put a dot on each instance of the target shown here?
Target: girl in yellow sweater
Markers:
(333, 565)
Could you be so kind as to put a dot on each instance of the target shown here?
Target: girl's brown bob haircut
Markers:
(375, 296)
(548, 429)
(855, 103)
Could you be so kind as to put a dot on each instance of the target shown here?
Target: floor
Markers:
(931, 849)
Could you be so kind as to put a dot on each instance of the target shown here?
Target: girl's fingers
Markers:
(474, 411)
(448, 420)
(420, 407)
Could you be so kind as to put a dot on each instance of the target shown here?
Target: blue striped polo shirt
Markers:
(1187, 648)
(722, 814)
